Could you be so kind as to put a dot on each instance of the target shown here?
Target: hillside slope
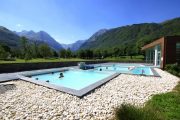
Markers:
(8, 37)
(74, 46)
(135, 35)
(41, 36)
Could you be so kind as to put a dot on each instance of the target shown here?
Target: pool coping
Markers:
(79, 93)
(155, 74)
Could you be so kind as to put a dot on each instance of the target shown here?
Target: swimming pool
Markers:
(80, 82)
(136, 69)
(74, 79)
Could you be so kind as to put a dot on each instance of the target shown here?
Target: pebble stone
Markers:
(24, 100)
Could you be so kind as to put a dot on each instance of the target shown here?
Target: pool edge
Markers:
(79, 93)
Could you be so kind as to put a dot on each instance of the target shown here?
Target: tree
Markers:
(88, 54)
(30, 52)
(68, 53)
(62, 53)
(16, 52)
(104, 53)
(55, 54)
(81, 54)
(116, 52)
(35, 51)
(45, 51)
(131, 50)
(6, 48)
(3, 53)
(24, 44)
(97, 53)
(28, 56)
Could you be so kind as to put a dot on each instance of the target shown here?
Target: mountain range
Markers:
(41, 36)
(8, 37)
(12, 39)
(74, 46)
(132, 36)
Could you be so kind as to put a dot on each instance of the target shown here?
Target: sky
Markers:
(70, 20)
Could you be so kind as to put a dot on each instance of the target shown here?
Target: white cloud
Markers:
(19, 25)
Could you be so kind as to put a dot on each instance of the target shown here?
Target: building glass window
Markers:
(178, 52)
(158, 54)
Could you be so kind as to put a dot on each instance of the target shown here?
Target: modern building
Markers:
(165, 50)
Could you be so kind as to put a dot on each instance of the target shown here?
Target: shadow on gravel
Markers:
(6, 87)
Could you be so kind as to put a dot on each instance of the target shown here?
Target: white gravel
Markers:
(24, 100)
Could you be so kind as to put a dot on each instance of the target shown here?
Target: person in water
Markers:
(61, 75)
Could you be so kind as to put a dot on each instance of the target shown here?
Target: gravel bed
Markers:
(24, 100)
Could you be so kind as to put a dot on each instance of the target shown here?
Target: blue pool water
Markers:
(131, 69)
(78, 79)
(113, 68)
(74, 79)
(142, 70)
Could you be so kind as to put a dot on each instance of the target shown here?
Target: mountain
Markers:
(74, 46)
(97, 34)
(125, 37)
(8, 37)
(66, 46)
(134, 36)
(41, 36)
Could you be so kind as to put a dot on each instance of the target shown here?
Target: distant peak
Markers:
(98, 33)
(25, 31)
(3, 28)
(101, 31)
(104, 29)
(42, 32)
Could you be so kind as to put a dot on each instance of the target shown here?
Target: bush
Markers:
(3, 54)
(173, 69)
(129, 112)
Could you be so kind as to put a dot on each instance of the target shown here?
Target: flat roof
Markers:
(160, 41)
(154, 43)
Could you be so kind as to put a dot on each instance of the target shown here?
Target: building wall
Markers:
(170, 50)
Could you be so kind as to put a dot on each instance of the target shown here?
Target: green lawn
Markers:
(43, 60)
(168, 104)
(139, 58)
(164, 106)
(121, 59)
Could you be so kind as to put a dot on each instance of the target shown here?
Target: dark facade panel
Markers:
(171, 55)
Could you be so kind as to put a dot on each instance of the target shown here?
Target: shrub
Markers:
(173, 69)
(3, 54)
(129, 112)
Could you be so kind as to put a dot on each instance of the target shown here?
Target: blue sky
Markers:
(71, 20)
